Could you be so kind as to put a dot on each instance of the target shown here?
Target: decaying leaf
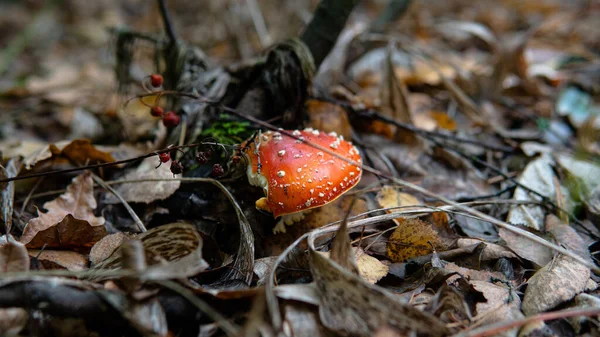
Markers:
(556, 283)
(13, 256)
(328, 117)
(502, 304)
(489, 252)
(341, 250)
(60, 259)
(147, 192)
(414, 237)
(351, 306)
(582, 301)
(106, 246)
(567, 237)
(390, 197)
(538, 254)
(538, 176)
(302, 320)
(369, 268)
(171, 251)
(78, 152)
(70, 221)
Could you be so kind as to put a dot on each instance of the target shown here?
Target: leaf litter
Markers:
(486, 113)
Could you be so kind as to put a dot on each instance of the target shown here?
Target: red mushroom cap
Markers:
(296, 176)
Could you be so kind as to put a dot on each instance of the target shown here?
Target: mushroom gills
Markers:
(288, 219)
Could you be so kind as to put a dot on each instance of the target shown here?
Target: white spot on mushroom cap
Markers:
(321, 195)
(280, 174)
(281, 153)
(299, 169)
(296, 133)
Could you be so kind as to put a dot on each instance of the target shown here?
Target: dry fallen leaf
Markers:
(78, 152)
(13, 256)
(172, 251)
(414, 237)
(147, 192)
(328, 117)
(349, 305)
(557, 282)
(70, 221)
(538, 176)
(536, 253)
(60, 259)
(502, 304)
(106, 246)
(369, 268)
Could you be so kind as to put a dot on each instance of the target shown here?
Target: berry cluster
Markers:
(170, 119)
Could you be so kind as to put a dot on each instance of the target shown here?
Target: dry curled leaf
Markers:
(70, 221)
(147, 192)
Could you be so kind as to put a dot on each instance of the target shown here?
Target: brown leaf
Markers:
(78, 152)
(536, 253)
(60, 259)
(147, 192)
(369, 268)
(328, 117)
(81, 152)
(341, 250)
(415, 237)
(566, 236)
(557, 282)
(106, 246)
(177, 243)
(13, 257)
(351, 306)
(70, 220)
(12, 321)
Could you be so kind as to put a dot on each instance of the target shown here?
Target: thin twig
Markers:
(369, 113)
(497, 328)
(113, 163)
(137, 220)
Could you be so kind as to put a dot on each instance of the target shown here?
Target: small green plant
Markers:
(226, 131)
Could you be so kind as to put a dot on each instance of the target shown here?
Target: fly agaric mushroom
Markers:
(295, 176)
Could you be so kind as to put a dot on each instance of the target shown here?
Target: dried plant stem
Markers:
(497, 328)
(136, 218)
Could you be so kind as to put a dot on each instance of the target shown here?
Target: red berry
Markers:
(157, 111)
(164, 157)
(201, 158)
(156, 80)
(176, 167)
(208, 153)
(217, 170)
(171, 119)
